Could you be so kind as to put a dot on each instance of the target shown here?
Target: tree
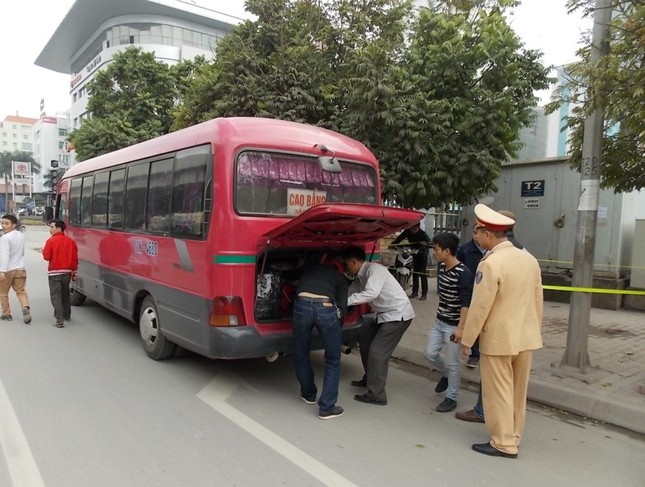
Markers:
(50, 181)
(444, 119)
(619, 81)
(439, 99)
(132, 100)
(273, 67)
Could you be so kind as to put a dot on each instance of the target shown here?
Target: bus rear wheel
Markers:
(76, 298)
(155, 344)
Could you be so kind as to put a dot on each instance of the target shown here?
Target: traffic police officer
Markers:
(506, 314)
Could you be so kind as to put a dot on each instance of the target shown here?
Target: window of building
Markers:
(62, 132)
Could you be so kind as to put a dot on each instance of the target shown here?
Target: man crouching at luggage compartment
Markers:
(321, 302)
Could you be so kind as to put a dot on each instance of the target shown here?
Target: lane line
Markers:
(215, 395)
(22, 466)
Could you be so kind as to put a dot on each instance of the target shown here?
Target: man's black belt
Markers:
(314, 300)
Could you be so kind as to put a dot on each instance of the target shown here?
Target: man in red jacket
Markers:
(62, 254)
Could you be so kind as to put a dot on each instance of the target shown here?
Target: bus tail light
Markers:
(227, 311)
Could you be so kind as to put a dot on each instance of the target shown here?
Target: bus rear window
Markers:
(283, 184)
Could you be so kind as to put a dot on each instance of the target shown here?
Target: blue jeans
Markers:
(440, 335)
(306, 316)
(479, 407)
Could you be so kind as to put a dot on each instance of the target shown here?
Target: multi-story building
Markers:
(50, 144)
(93, 31)
(16, 135)
(533, 138)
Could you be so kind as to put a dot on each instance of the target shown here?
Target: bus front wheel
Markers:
(76, 298)
(155, 344)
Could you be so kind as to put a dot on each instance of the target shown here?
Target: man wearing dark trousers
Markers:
(62, 253)
(470, 254)
(321, 302)
(375, 285)
(421, 242)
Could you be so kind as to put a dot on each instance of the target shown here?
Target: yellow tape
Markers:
(593, 290)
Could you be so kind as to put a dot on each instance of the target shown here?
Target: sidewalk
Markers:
(608, 392)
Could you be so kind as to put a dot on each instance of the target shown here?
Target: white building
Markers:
(50, 144)
(15, 134)
(93, 31)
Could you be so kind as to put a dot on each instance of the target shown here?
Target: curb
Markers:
(540, 391)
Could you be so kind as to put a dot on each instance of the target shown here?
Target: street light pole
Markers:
(576, 353)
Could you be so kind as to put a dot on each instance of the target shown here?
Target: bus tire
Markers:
(155, 344)
(76, 298)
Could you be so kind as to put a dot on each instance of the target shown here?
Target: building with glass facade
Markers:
(93, 31)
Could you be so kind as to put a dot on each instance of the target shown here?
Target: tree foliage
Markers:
(132, 100)
(439, 97)
(615, 83)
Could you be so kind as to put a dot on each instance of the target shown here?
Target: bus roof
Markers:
(234, 133)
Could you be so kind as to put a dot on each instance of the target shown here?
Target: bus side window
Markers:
(75, 201)
(115, 198)
(159, 195)
(188, 192)
(135, 196)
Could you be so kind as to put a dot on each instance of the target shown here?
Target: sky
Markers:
(541, 24)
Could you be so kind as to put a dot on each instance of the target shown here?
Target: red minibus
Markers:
(199, 235)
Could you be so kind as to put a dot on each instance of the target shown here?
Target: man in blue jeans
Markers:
(455, 291)
(321, 302)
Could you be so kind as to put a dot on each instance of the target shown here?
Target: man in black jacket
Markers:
(420, 241)
(321, 301)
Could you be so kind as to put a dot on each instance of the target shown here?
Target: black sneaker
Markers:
(442, 385)
(6, 317)
(359, 383)
(26, 315)
(332, 413)
(308, 401)
(472, 362)
(447, 405)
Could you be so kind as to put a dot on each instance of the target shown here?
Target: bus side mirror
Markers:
(48, 214)
(329, 164)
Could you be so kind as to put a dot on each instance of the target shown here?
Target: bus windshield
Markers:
(269, 183)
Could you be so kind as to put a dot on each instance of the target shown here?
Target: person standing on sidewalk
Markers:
(378, 287)
(12, 269)
(62, 253)
(321, 302)
(470, 254)
(455, 292)
(476, 414)
(506, 313)
(421, 242)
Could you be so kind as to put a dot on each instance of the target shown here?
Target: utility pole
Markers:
(576, 353)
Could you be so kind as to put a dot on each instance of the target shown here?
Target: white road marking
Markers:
(22, 466)
(215, 395)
